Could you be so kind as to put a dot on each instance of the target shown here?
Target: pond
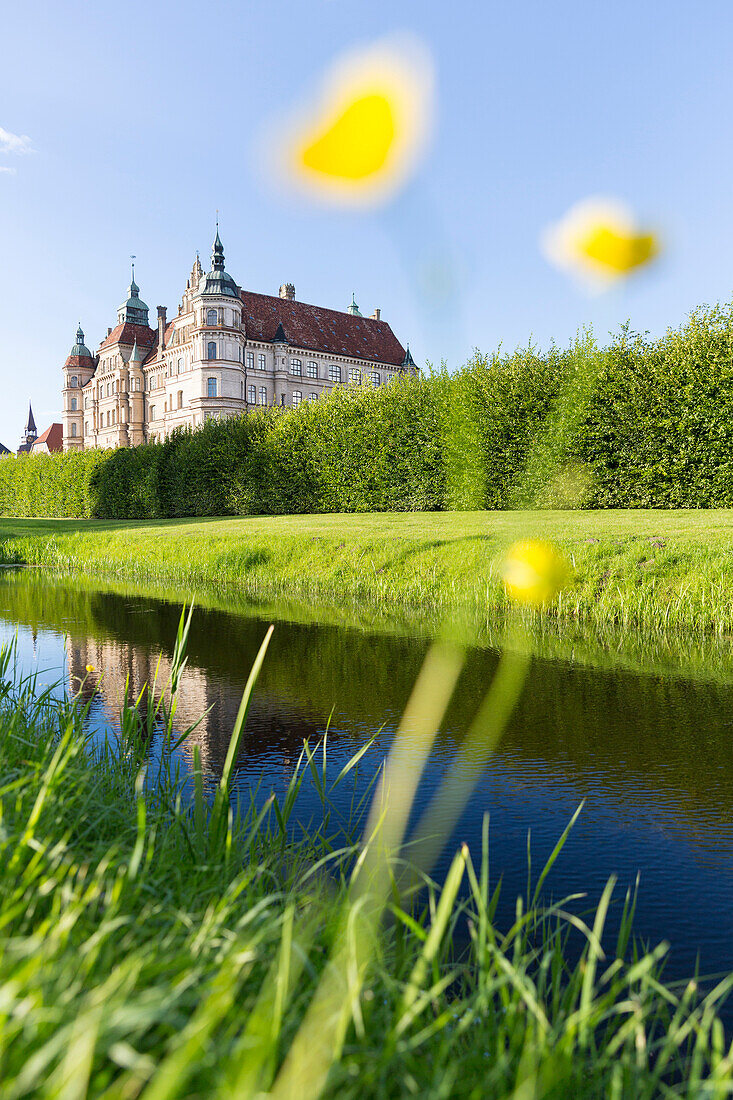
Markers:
(645, 741)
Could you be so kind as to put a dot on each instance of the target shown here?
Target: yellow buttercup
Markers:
(534, 572)
(599, 241)
(362, 139)
(357, 144)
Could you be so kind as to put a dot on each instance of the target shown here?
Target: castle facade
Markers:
(226, 351)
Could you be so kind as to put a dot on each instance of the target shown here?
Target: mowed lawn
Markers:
(636, 568)
(688, 524)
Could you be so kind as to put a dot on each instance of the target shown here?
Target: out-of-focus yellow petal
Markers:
(358, 142)
(600, 242)
(363, 137)
(534, 572)
(91, 668)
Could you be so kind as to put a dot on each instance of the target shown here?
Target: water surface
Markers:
(647, 747)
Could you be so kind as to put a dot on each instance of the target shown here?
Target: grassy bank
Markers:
(654, 570)
(152, 946)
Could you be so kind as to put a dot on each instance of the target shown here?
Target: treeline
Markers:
(640, 423)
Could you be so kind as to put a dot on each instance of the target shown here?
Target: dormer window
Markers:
(211, 318)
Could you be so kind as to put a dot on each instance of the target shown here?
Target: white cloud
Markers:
(9, 171)
(14, 143)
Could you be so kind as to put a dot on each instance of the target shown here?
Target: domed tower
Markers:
(78, 371)
(219, 340)
(133, 311)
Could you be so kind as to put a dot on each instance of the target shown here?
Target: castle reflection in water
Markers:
(207, 704)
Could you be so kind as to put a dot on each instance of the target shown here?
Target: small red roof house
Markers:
(51, 440)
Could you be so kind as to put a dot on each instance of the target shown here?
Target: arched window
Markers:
(73, 404)
(263, 395)
(74, 381)
(211, 387)
(252, 395)
(211, 317)
(374, 377)
(180, 399)
(296, 367)
(334, 373)
(312, 396)
(211, 350)
(152, 412)
(180, 365)
(297, 397)
(261, 362)
(354, 375)
(312, 370)
(73, 429)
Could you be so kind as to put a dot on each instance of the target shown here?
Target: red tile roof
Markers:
(79, 361)
(53, 437)
(127, 334)
(315, 328)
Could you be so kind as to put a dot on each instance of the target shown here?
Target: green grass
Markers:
(152, 946)
(655, 570)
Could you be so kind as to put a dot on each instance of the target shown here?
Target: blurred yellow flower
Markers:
(363, 137)
(534, 572)
(599, 241)
(91, 668)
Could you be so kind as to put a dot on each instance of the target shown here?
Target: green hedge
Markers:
(50, 485)
(640, 423)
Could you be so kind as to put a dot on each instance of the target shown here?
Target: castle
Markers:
(226, 351)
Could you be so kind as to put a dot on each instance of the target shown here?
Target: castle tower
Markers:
(219, 345)
(133, 311)
(132, 414)
(78, 369)
(30, 434)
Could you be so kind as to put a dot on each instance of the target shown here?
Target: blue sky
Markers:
(145, 117)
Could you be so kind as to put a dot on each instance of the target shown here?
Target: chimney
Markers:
(109, 330)
(287, 290)
(377, 315)
(162, 310)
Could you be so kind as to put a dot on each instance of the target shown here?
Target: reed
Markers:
(159, 942)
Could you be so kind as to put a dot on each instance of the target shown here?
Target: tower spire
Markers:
(30, 428)
(217, 251)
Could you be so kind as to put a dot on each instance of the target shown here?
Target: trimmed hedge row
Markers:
(638, 424)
